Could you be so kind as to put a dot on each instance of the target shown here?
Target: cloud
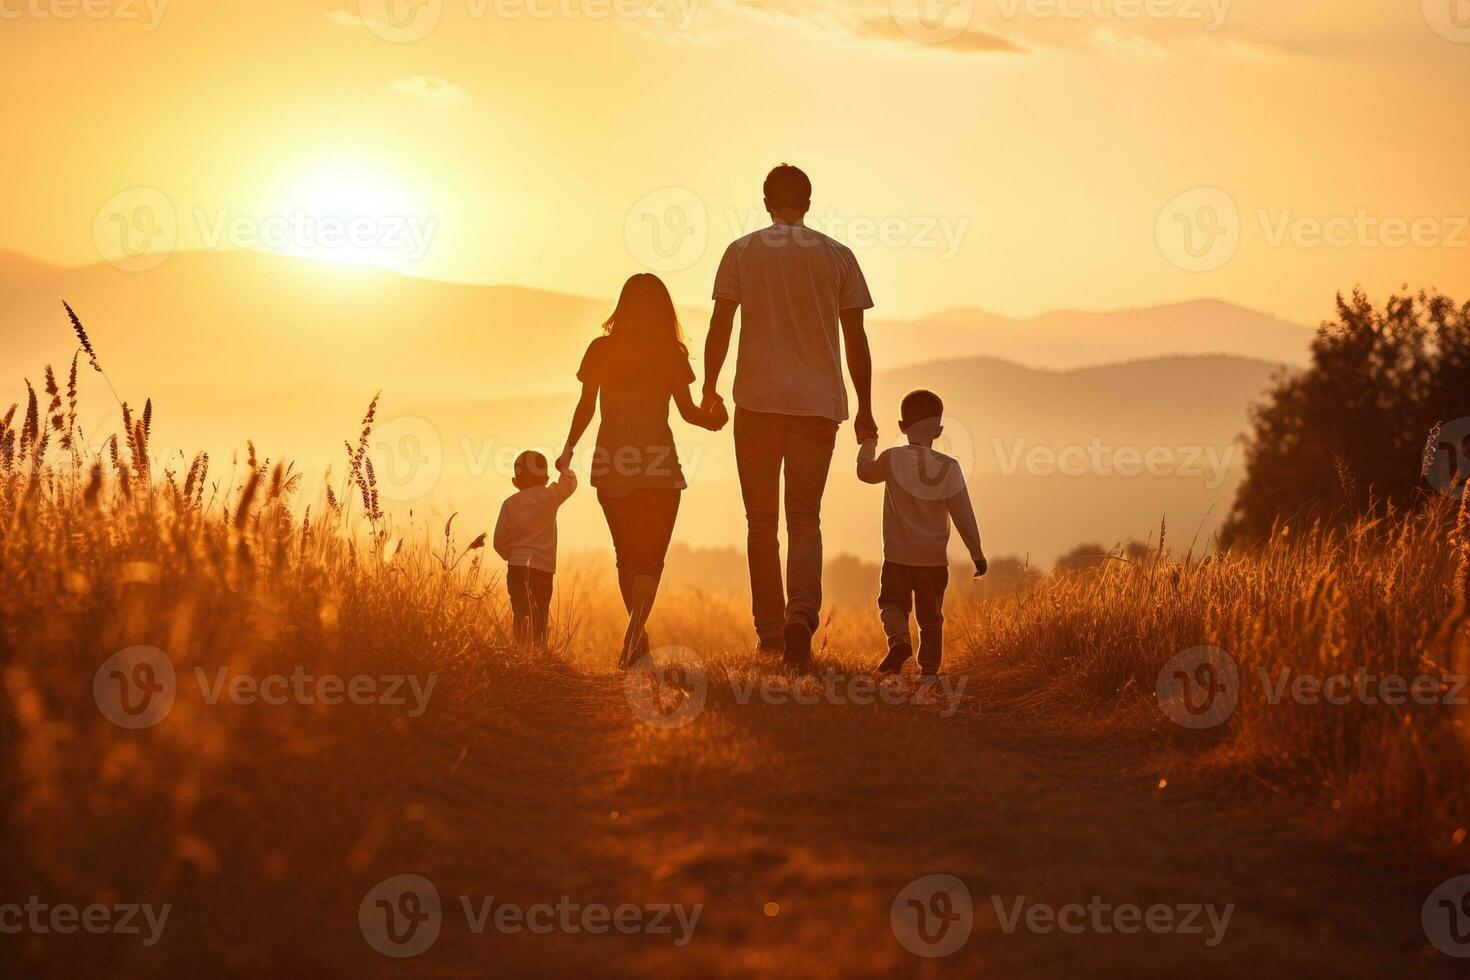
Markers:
(343, 18)
(967, 41)
(885, 24)
(429, 87)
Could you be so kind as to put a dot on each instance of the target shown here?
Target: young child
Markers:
(525, 536)
(923, 491)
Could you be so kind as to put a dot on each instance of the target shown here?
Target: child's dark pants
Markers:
(920, 589)
(530, 601)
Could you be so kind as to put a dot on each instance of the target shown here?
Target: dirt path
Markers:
(795, 826)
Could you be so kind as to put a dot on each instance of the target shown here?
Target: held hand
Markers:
(865, 426)
(711, 399)
(564, 461)
(719, 415)
(981, 567)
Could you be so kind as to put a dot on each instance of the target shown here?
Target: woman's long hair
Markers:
(644, 325)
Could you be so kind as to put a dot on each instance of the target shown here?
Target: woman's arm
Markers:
(713, 419)
(581, 418)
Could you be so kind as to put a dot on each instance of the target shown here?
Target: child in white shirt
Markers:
(923, 491)
(525, 536)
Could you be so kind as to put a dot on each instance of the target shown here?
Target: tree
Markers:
(1346, 437)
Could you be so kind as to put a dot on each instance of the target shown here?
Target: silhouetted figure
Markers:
(923, 491)
(525, 536)
(633, 373)
(801, 298)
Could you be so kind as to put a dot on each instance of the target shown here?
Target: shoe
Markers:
(898, 655)
(771, 648)
(798, 645)
(928, 670)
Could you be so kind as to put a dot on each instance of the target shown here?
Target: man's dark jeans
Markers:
(910, 587)
(801, 446)
(530, 601)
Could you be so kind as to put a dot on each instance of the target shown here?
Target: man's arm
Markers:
(716, 348)
(860, 366)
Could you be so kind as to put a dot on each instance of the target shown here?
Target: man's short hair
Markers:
(920, 405)
(788, 187)
(531, 464)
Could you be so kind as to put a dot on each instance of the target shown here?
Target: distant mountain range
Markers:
(287, 352)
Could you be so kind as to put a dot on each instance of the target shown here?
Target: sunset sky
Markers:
(1020, 159)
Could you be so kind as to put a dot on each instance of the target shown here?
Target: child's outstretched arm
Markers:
(871, 468)
(962, 512)
(712, 418)
(564, 487)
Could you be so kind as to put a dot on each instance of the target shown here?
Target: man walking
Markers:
(801, 298)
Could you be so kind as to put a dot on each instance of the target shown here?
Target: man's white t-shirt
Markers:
(791, 283)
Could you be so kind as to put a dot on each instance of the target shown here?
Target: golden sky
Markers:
(1015, 155)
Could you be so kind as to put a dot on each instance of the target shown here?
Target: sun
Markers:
(352, 213)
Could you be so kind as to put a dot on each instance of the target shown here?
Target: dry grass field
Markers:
(343, 705)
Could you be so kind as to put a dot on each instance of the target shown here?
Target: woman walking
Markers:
(634, 372)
